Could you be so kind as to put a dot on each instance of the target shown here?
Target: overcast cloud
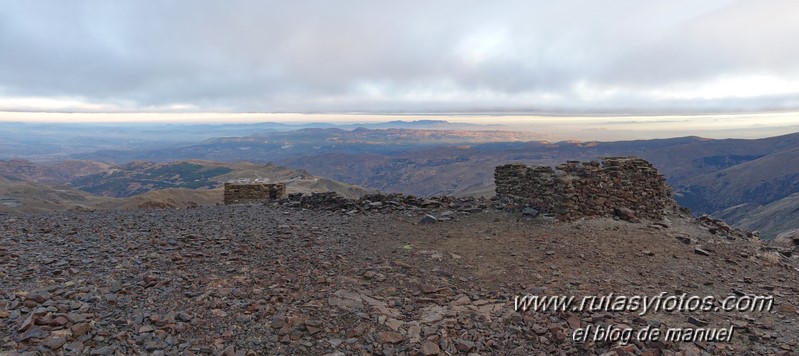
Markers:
(399, 56)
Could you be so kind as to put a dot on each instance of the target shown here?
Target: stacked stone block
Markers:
(237, 193)
(576, 189)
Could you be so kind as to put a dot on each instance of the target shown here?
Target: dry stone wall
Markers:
(588, 189)
(236, 193)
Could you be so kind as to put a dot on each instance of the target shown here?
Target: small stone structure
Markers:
(253, 192)
(588, 189)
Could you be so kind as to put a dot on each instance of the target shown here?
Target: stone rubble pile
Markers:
(720, 228)
(785, 244)
(386, 203)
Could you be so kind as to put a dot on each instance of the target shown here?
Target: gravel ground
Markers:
(279, 279)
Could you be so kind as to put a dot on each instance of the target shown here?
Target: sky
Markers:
(185, 59)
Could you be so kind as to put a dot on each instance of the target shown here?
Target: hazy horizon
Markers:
(564, 127)
(534, 59)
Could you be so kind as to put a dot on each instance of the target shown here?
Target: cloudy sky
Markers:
(390, 57)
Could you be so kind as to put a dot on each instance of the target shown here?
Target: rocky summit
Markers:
(383, 275)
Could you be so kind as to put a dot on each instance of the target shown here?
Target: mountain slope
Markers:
(771, 219)
(28, 197)
(49, 172)
(700, 155)
(760, 182)
(147, 184)
(140, 177)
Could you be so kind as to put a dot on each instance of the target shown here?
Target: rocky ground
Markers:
(376, 276)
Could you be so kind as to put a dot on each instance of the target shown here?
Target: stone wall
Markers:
(586, 189)
(253, 192)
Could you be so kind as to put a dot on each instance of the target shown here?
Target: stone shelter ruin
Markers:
(253, 192)
(588, 189)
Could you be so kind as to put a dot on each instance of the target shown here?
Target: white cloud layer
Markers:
(400, 56)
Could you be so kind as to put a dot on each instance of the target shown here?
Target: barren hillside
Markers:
(142, 184)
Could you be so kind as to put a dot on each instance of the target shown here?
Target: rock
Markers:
(27, 323)
(64, 333)
(539, 329)
(313, 326)
(428, 219)
(278, 321)
(788, 239)
(74, 347)
(701, 252)
(105, 350)
(334, 343)
(430, 348)
(663, 224)
(573, 321)
(787, 308)
(684, 239)
(431, 203)
(34, 333)
(531, 212)
(229, 351)
(59, 321)
(155, 345)
(389, 337)
(629, 349)
(691, 350)
(39, 298)
(313, 329)
(557, 333)
(432, 317)
(394, 324)
(183, 316)
(346, 300)
(414, 331)
(626, 214)
(54, 342)
(697, 322)
(80, 329)
(464, 346)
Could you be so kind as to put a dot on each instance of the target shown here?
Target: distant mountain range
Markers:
(277, 146)
(56, 141)
(749, 183)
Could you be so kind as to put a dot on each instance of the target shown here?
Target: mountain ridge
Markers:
(451, 162)
(147, 184)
